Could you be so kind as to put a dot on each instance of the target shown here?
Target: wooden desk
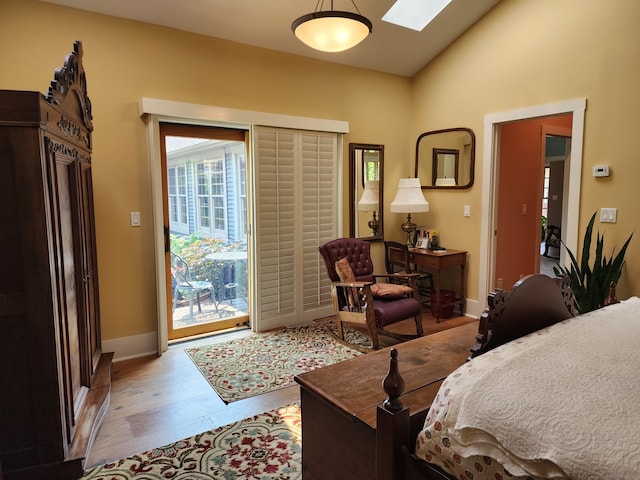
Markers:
(437, 261)
(339, 402)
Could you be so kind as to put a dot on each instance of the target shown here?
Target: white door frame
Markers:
(154, 111)
(571, 201)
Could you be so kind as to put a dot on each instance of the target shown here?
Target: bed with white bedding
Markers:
(562, 402)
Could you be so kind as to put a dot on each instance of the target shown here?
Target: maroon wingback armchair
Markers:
(363, 300)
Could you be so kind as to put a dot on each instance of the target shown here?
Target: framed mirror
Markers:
(446, 158)
(366, 168)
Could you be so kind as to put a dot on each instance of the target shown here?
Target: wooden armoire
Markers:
(54, 379)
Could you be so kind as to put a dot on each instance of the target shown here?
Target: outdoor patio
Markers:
(212, 311)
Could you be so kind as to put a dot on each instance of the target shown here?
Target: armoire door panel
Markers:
(90, 307)
(65, 179)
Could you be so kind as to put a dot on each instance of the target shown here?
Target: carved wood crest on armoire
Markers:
(55, 380)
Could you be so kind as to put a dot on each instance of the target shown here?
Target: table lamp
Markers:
(409, 199)
(369, 203)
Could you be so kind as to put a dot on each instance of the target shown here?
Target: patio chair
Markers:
(184, 285)
(359, 299)
(220, 288)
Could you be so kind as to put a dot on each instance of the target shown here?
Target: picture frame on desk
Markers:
(422, 237)
(422, 242)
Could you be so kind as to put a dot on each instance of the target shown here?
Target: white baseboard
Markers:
(134, 346)
(473, 308)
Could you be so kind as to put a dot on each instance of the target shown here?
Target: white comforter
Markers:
(563, 402)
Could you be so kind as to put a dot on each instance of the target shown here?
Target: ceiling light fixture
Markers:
(331, 30)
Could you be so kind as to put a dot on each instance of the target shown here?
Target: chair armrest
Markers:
(352, 284)
(397, 275)
(411, 279)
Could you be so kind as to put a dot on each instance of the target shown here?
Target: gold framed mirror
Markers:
(366, 168)
(446, 158)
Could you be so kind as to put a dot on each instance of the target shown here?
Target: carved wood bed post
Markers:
(392, 416)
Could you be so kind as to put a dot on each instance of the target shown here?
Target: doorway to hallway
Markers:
(530, 189)
(491, 182)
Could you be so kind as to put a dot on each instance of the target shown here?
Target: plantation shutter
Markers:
(296, 211)
(319, 215)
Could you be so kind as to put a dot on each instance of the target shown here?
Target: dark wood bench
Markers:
(339, 402)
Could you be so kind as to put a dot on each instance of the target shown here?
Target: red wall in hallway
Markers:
(521, 169)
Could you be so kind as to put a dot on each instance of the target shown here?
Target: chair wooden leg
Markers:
(372, 326)
(333, 332)
(340, 329)
(375, 341)
(418, 320)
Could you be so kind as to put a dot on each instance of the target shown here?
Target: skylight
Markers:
(414, 14)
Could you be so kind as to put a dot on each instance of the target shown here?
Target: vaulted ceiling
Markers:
(267, 24)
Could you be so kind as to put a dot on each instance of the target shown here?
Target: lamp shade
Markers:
(331, 31)
(409, 198)
(370, 197)
(445, 182)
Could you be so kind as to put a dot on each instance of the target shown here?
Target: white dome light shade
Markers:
(331, 31)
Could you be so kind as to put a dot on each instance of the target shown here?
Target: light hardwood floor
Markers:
(157, 400)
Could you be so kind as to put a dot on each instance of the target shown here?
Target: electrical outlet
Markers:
(467, 210)
(608, 215)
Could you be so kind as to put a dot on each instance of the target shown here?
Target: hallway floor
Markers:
(547, 263)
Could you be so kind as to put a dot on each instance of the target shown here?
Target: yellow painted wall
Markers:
(526, 53)
(523, 53)
(127, 60)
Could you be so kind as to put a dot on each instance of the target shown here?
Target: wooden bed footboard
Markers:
(534, 302)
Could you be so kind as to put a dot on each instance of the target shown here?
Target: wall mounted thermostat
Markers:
(601, 171)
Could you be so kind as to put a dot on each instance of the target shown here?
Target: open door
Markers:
(205, 223)
(521, 187)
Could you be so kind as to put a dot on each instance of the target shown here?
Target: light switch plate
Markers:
(467, 210)
(608, 215)
(135, 219)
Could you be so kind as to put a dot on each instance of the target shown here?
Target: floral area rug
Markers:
(268, 361)
(265, 446)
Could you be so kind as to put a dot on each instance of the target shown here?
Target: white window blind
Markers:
(296, 211)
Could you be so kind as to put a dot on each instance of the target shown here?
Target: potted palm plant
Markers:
(591, 284)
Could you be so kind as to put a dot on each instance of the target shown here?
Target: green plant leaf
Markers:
(590, 282)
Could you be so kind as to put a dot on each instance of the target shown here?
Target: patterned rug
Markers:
(265, 446)
(268, 361)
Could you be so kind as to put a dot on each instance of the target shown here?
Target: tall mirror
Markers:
(365, 193)
(446, 158)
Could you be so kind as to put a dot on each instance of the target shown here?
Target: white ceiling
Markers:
(267, 24)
